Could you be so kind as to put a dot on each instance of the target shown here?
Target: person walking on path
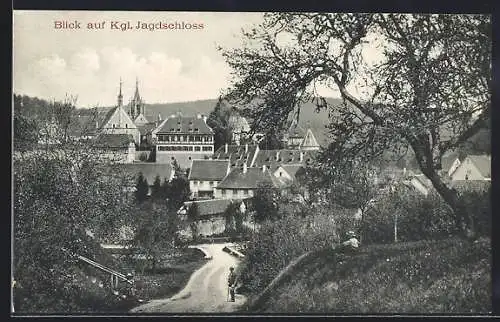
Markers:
(231, 283)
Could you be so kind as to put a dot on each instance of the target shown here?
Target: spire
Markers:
(136, 95)
(120, 96)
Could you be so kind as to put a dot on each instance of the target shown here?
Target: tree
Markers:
(265, 203)
(59, 196)
(142, 189)
(193, 215)
(427, 89)
(218, 120)
(178, 192)
(155, 232)
(234, 218)
(156, 190)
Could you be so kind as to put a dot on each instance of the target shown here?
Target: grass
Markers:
(445, 276)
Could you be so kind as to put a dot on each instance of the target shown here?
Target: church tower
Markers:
(120, 96)
(136, 105)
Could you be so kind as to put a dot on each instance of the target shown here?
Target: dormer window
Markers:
(190, 122)
(178, 130)
(196, 129)
(172, 130)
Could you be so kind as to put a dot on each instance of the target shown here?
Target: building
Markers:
(205, 175)
(237, 154)
(183, 139)
(211, 216)
(298, 138)
(473, 167)
(149, 171)
(288, 171)
(273, 159)
(117, 148)
(242, 182)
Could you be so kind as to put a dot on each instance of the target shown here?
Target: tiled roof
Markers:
(149, 170)
(236, 154)
(209, 170)
(254, 177)
(274, 158)
(185, 124)
(292, 169)
(210, 207)
(84, 121)
(113, 141)
(482, 163)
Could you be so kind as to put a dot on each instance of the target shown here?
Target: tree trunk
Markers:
(463, 220)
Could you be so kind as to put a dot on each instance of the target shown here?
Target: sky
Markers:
(171, 65)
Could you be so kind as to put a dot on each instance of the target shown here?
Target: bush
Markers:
(279, 242)
(422, 217)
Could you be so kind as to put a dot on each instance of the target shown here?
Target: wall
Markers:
(233, 193)
(197, 185)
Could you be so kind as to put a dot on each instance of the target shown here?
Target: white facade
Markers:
(121, 123)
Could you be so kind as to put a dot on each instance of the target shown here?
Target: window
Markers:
(245, 191)
(113, 126)
(196, 129)
(173, 158)
(197, 148)
(189, 158)
(281, 173)
(126, 126)
(178, 130)
(223, 192)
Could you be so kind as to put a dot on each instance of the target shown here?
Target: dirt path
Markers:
(206, 290)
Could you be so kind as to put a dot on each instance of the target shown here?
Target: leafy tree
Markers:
(193, 215)
(178, 191)
(234, 218)
(427, 89)
(156, 189)
(155, 232)
(25, 132)
(271, 141)
(59, 196)
(265, 203)
(218, 120)
(142, 189)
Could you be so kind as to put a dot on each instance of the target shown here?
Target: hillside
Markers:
(447, 276)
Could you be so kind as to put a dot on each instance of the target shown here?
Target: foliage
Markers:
(234, 219)
(192, 215)
(218, 120)
(59, 196)
(141, 189)
(155, 231)
(279, 241)
(265, 203)
(445, 276)
(421, 217)
(156, 190)
(25, 132)
(432, 75)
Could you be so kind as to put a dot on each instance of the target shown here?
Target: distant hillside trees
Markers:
(433, 76)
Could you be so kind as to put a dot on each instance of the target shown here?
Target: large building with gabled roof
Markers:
(184, 139)
(205, 175)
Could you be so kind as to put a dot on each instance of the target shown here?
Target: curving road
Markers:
(206, 290)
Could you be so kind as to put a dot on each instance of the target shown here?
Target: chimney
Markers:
(245, 167)
(246, 148)
(198, 116)
(264, 168)
(159, 117)
(277, 155)
(225, 148)
(204, 118)
(301, 156)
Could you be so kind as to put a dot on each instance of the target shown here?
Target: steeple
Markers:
(137, 97)
(120, 96)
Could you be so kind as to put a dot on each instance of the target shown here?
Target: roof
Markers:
(275, 158)
(309, 140)
(185, 124)
(210, 207)
(292, 169)
(236, 154)
(209, 170)
(482, 163)
(149, 170)
(448, 159)
(254, 177)
(146, 128)
(107, 140)
(84, 121)
(423, 180)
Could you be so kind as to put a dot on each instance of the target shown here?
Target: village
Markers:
(329, 163)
